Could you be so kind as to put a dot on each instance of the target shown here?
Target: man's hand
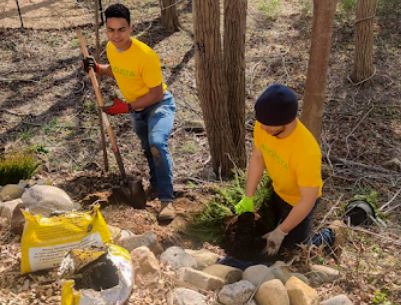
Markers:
(274, 240)
(118, 107)
(90, 62)
(245, 205)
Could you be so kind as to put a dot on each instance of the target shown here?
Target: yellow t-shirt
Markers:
(135, 70)
(292, 162)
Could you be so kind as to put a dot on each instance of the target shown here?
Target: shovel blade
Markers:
(130, 192)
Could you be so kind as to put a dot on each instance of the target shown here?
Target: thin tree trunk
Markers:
(234, 62)
(363, 62)
(97, 57)
(315, 87)
(169, 16)
(211, 86)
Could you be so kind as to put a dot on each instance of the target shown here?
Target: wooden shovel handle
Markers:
(92, 75)
(100, 104)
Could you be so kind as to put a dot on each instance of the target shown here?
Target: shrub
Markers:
(17, 166)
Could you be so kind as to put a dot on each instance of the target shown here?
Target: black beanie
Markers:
(276, 106)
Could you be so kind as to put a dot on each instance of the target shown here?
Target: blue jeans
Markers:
(153, 125)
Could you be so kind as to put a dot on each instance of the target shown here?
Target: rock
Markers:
(228, 274)
(177, 258)
(146, 267)
(330, 273)
(203, 257)
(237, 293)
(199, 279)
(183, 296)
(258, 274)
(272, 292)
(131, 241)
(17, 219)
(46, 199)
(281, 272)
(115, 232)
(178, 224)
(302, 277)
(7, 208)
(341, 299)
(300, 293)
(11, 191)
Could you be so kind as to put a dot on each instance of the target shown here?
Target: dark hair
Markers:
(277, 105)
(118, 10)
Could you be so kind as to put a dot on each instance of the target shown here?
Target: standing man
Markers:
(292, 157)
(137, 71)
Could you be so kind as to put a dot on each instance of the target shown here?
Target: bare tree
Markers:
(212, 83)
(364, 40)
(169, 16)
(234, 61)
(315, 87)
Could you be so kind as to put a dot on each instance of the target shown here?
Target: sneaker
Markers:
(167, 211)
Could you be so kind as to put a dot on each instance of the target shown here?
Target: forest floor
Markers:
(47, 104)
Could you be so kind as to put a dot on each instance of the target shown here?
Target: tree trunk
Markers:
(169, 16)
(363, 62)
(234, 62)
(315, 87)
(211, 85)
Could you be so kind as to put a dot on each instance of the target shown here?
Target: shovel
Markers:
(131, 189)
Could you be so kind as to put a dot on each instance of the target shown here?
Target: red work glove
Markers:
(118, 107)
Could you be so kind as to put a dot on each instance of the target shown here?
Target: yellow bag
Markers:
(117, 294)
(45, 240)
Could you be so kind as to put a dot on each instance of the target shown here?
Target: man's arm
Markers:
(255, 171)
(105, 70)
(154, 95)
(301, 210)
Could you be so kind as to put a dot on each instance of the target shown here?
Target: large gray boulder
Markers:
(47, 199)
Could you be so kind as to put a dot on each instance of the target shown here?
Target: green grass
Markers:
(17, 166)
(189, 147)
(380, 298)
(208, 225)
(348, 7)
(270, 8)
(51, 126)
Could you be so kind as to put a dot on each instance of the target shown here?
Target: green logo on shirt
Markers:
(272, 154)
(122, 71)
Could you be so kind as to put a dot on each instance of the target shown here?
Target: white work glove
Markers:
(273, 241)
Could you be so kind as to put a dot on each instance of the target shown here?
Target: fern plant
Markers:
(208, 225)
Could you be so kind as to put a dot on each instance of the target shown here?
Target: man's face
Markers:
(119, 32)
(273, 130)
